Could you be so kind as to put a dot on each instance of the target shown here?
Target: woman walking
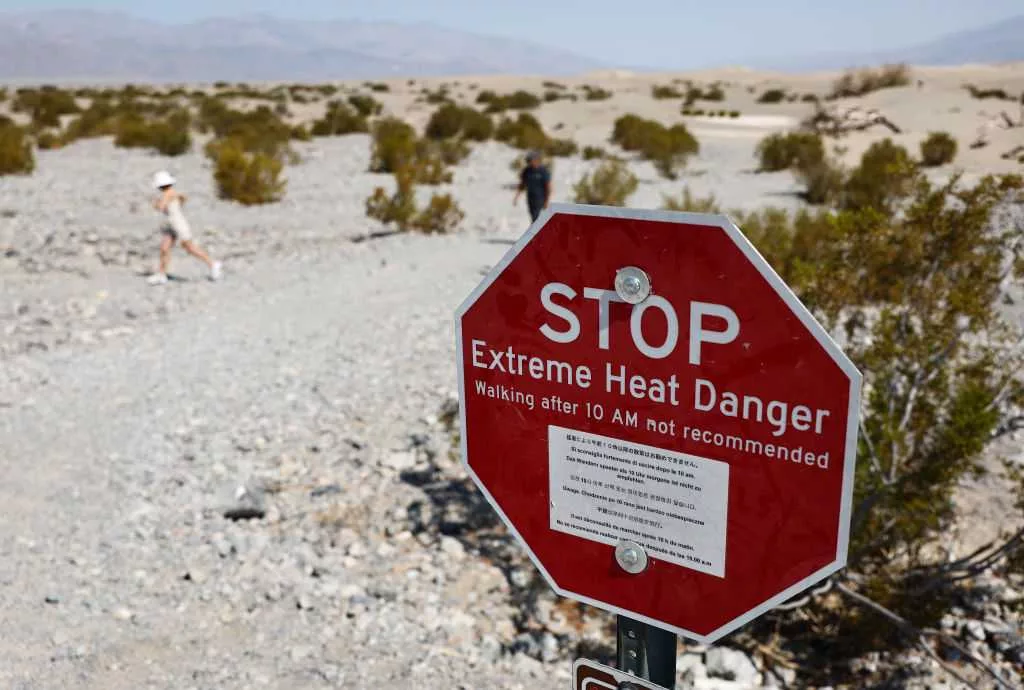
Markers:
(175, 229)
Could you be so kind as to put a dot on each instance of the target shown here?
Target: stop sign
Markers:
(657, 418)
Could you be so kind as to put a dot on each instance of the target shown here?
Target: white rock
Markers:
(731, 664)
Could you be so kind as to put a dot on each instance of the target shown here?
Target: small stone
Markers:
(123, 614)
(975, 629)
(401, 460)
(452, 547)
(52, 599)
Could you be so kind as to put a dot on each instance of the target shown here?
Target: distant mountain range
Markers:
(1002, 41)
(72, 45)
(113, 46)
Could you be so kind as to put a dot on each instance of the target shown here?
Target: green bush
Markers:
(398, 208)
(441, 216)
(595, 93)
(610, 185)
(686, 201)
(451, 121)
(938, 148)
(858, 83)
(366, 106)
(662, 92)
(258, 131)
(16, 154)
(562, 148)
(518, 100)
(48, 140)
(45, 105)
(553, 85)
(170, 136)
(772, 96)
(246, 177)
(394, 145)
(98, 120)
(524, 132)
(378, 87)
(593, 153)
(791, 150)
(884, 176)
(694, 93)
(823, 181)
(338, 120)
(667, 147)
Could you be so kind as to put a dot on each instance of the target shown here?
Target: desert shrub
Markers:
(451, 120)
(938, 148)
(3, 94)
(553, 85)
(98, 120)
(984, 94)
(667, 147)
(884, 176)
(301, 133)
(524, 132)
(394, 146)
(48, 140)
(610, 185)
(437, 96)
(695, 93)
(250, 178)
(561, 147)
(860, 82)
(169, 136)
(378, 87)
(45, 105)
(809, 98)
(686, 201)
(398, 208)
(258, 131)
(441, 216)
(772, 96)
(366, 106)
(451, 151)
(663, 91)
(595, 93)
(791, 150)
(917, 297)
(593, 152)
(823, 181)
(518, 100)
(734, 113)
(16, 154)
(338, 120)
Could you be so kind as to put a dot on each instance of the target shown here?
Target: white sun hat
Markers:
(162, 179)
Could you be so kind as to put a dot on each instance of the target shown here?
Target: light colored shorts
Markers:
(180, 231)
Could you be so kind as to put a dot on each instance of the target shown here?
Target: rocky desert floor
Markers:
(312, 386)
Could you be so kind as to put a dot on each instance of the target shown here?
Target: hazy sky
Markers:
(657, 33)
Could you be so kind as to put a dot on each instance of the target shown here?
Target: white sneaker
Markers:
(157, 279)
(216, 271)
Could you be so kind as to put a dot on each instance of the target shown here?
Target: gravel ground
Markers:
(305, 389)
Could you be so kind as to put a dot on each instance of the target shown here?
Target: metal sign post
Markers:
(647, 652)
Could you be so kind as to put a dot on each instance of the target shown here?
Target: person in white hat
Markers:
(175, 229)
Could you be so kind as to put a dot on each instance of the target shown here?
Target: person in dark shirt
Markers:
(535, 180)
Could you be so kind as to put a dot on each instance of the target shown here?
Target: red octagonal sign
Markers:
(643, 381)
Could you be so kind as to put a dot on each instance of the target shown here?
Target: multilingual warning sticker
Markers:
(673, 504)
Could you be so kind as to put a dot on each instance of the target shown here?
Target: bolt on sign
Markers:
(657, 418)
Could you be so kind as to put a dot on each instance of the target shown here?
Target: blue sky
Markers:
(657, 33)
